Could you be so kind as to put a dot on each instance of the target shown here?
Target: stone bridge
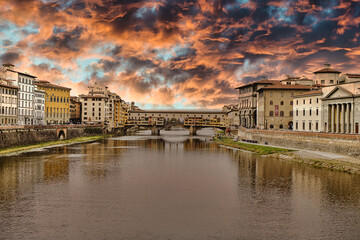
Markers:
(192, 120)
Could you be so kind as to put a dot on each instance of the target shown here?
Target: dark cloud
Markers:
(10, 57)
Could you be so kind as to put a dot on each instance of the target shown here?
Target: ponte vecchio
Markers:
(190, 119)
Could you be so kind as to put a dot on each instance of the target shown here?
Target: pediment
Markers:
(338, 92)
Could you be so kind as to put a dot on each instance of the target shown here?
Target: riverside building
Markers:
(275, 105)
(57, 102)
(8, 102)
(248, 97)
(307, 111)
(39, 106)
(26, 85)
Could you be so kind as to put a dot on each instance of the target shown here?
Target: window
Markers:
(316, 126)
(282, 94)
(281, 126)
(297, 112)
(309, 125)
(310, 100)
(271, 126)
(291, 113)
(271, 102)
(331, 81)
(310, 112)
(281, 103)
(304, 101)
(317, 113)
(303, 112)
(271, 113)
(322, 81)
(303, 125)
(317, 100)
(291, 103)
(281, 113)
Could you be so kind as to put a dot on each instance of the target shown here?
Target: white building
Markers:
(26, 84)
(8, 102)
(39, 107)
(307, 110)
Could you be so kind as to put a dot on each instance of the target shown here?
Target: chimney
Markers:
(8, 66)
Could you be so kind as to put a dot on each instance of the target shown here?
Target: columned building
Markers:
(341, 109)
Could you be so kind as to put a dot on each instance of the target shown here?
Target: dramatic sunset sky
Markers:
(177, 53)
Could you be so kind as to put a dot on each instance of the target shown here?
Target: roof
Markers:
(92, 96)
(44, 83)
(8, 86)
(309, 93)
(352, 75)
(286, 87)
(26, 74)
(263, 81)
(327, 70)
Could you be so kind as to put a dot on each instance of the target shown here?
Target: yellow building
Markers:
(57, 102)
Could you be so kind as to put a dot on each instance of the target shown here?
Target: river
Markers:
(171, 187)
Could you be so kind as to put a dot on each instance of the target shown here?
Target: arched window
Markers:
(291, 103)
(281, 126)
(271, 113)
(271, 126)
(281, 113)
(281, 103)
(271, 102)
(291, 113)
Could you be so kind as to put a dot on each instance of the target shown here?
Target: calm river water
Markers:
(171, 187)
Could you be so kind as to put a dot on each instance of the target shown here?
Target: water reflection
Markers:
(171, 186)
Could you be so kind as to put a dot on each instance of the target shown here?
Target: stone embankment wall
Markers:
(348, 144)
(26, 135)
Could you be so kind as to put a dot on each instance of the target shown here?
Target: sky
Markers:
(177, 53)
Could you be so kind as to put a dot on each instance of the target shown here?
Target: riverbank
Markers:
(317, 159)
(19, 149)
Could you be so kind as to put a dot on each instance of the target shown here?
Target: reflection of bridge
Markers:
(190, 119)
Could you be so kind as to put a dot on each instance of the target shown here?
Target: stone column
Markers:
(333, 125)
(342, 118)
(351, 119)
(329, 120)
(338, 116)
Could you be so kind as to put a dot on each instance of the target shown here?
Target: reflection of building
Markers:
(75, 110)
(8, 102)
(39, 106)
(56, 168)
(57, 102)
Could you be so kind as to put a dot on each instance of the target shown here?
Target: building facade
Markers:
(8, 103)
(327, 76)
(307, 111)
(39, 108)
(57, 102)
(75, 110)
(341, 108)
(275, 105)
(26, 86)
(248, 97)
